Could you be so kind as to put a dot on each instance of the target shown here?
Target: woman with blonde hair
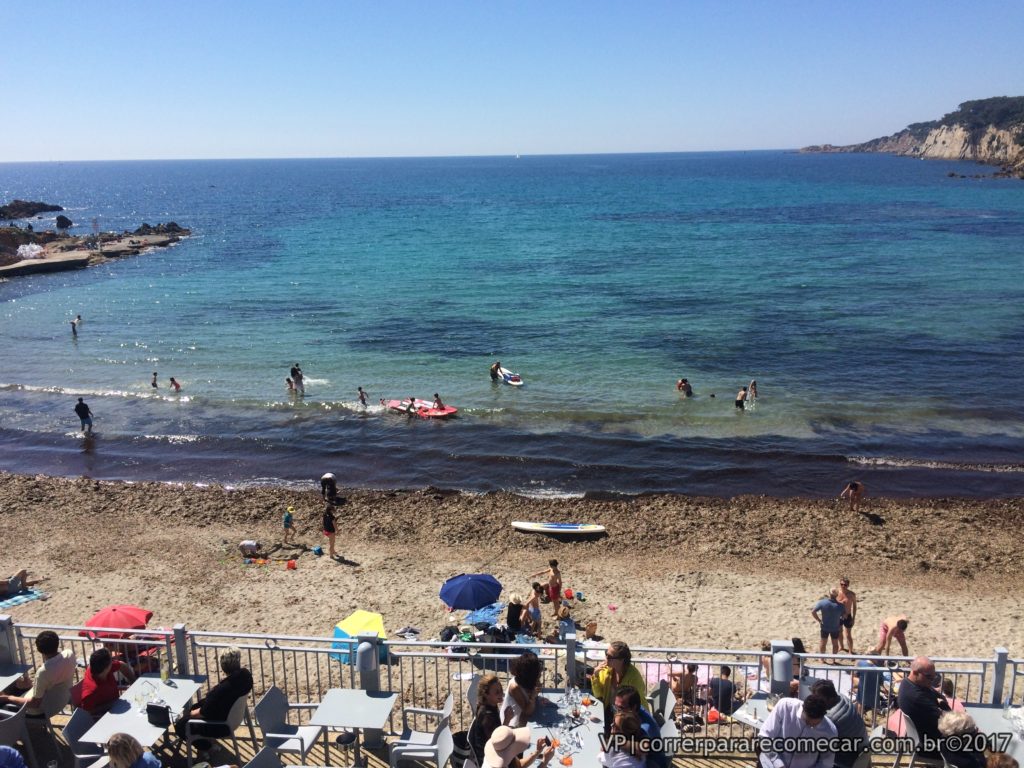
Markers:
(126, 752)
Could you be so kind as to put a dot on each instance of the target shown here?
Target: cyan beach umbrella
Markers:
(470, 591)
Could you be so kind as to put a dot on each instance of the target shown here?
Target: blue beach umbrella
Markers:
(469, 591)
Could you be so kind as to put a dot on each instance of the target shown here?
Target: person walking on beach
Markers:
(741, 397)
(153, 383)
(289, 525)
(853, 491)
(554, 584)
(848, 598)
(329, 530)
(297, 379)
(85, 415)
(175, 385)
(362, 396)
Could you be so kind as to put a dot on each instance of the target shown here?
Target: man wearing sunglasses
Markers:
(921, 701)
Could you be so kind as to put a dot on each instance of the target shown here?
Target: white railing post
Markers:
(8, 642)
(570, 659)
(999, 675)
(181, 649)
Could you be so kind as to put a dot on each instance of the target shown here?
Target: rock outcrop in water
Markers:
(989, 131)
(23, 209)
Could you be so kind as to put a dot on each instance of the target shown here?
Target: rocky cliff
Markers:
(990, 131)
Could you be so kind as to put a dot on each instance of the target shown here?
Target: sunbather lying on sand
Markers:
(17, 583)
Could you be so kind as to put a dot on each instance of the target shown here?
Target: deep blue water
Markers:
(876, 300)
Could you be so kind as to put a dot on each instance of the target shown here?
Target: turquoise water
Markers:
(877, 302)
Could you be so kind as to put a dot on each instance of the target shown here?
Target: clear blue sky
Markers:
(119, 79)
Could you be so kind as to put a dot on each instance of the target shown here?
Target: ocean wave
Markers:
(883, 461)
(546, 493)
(175, 439)
(86, 392)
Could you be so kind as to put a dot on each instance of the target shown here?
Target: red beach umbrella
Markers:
(118, 617)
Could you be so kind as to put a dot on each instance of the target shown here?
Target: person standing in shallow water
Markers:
(153, 383)
(362, 396)
(741, 397)
(83, 412)
(297, 379)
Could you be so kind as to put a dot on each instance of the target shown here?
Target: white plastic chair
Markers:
(265, 758)
(13, 730)
(239, 712)
(915, 737)
(272, 718)
(471, 692)
(433, 746)
(438, 752)
(85, 754)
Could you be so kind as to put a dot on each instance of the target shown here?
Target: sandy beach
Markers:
(672, 571)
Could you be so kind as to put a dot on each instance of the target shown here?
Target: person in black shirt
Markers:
(515, 614)
(216, 705)
(486, 718)
(722, 692)
(922, 703)
(83, 412)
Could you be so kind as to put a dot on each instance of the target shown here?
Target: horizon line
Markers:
(402, 157)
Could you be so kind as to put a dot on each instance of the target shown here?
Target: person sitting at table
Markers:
(126, 752)
(487, 717)
(796, 722)
(722, 692)
(615, 671)
(627, 747)
(949, 694)
(844, 716)
(99, 685)
(919, 701)
(56, 671)
(627, 700)
(506, 744)
(521, 697)
(216, 705)
(960, 752)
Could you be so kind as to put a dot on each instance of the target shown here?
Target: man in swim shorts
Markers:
(892, 628)
(16, 583)
(554, 586)
(828, 612)
(83, 412)
(741, 397)
(494, 370)
(848, 598)
(853, 491)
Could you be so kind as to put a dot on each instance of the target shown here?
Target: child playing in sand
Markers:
(289, 525)
(554, 585)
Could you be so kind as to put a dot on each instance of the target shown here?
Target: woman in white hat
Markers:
(506, 743)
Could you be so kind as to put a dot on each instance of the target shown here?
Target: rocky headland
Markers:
(987, 131)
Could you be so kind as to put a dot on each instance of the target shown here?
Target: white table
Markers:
(124, 716)
(11, 673)
(753, 712)
(990, 721)
(356, 709)
(548, 719)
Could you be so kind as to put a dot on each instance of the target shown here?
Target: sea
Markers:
(878, 301)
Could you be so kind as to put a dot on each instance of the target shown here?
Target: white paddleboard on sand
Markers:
(577, 528)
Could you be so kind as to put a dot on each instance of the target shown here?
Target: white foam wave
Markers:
(883, 461)
(175, 439)
(546, 493)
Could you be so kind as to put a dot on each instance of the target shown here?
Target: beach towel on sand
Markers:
(26, 596)
(489, 613)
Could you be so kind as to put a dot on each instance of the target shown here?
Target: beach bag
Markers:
(158, 714)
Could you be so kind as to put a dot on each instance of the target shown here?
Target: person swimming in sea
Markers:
(362, 396)
(153, 383)
(741, 397)
(683, 385)
(411, 408)
(175, 385)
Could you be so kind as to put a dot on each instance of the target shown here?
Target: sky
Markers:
(134, 79)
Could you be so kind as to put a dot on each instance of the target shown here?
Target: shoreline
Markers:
(672, 571)
(72, 252)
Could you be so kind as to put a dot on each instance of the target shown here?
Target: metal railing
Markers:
(423, 673)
